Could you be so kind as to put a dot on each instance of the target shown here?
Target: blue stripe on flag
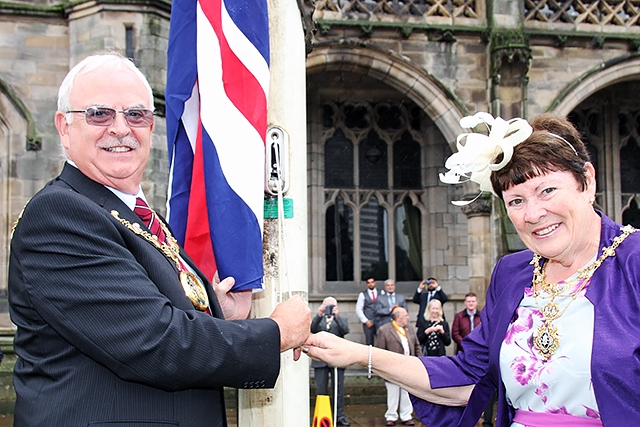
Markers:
(251, 17)
(238, 245)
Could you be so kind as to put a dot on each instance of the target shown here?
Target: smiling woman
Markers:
(553, 312)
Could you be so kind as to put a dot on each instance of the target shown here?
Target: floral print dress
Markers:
(561, 384)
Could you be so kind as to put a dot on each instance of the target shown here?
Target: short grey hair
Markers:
(111, 59)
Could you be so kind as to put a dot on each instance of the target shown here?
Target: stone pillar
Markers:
(510, 57)
(480, 255)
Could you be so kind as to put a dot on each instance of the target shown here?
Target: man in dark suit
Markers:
(422, 296)
(399, 338)
(366, 307)
(387, 301)
(329, 319)
(115, 326)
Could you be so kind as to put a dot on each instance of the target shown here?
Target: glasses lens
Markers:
(100, 116)
(138, 117)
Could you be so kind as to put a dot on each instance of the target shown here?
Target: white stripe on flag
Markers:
(235, 139)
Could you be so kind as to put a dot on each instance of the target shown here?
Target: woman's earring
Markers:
(592, 199)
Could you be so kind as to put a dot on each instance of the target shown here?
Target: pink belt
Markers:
(544, 419)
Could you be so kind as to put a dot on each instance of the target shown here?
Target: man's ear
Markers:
(62, 125)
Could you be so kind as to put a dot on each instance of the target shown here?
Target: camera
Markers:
(329, 310)
(427, 281)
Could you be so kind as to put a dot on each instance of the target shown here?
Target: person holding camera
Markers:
(328, 320)
(433, 291)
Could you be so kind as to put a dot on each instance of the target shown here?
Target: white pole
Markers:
(336, 384)
(286, 270)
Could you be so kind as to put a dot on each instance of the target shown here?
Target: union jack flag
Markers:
(216, 96)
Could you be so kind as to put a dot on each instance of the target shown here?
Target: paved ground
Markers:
(357, 415)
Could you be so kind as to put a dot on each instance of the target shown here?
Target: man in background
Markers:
(328, 319)
(366, 307)
(466, 320)
(433, 290)
(387, 301)
(399, 338)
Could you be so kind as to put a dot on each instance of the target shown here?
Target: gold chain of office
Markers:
(546, 339)
(193, 287)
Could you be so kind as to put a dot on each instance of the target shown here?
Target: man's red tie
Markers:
(149, 218)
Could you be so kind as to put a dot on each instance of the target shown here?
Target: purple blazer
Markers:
(615, 358)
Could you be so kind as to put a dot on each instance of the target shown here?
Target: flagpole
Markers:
(285, 239)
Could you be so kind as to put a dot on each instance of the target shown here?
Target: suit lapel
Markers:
(106, 199)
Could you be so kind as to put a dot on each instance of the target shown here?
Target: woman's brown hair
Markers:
(550, 148)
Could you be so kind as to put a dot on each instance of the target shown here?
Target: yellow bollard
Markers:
(322, 414)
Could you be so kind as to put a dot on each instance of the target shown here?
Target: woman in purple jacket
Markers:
(558, 339)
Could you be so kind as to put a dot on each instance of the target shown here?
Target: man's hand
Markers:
(322, 309)
(235, 305)
(369, 324)
(422, 284)
(294, 320)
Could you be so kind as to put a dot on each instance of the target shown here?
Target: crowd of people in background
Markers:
(384, 315)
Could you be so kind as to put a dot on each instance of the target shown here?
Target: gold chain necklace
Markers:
(546, 339)
(193, 287)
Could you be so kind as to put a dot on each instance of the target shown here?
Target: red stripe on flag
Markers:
(197, 239)
(240, 85)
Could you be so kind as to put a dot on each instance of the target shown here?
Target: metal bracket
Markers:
(276, 167)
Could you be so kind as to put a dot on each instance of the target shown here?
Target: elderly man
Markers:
(399, 338)
(115, 324)
(329, 319)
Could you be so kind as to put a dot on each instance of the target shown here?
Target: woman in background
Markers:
(433, 330)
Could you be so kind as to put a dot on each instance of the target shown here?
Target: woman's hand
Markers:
(334, 350)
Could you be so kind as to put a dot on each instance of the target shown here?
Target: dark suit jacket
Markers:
(105, 334)
(389, 339)
(422, 297)
(339, 326)
(383, 310)
(462, 327)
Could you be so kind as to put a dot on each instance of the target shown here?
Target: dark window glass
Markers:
(339, 242)
(374, 240)
(408, 242)
(373, 162)
(356, 116)
(389, 117)
(338, 161)
(406, 163)
(128, 41)
(631, 215)
(328, 116)
(630, 167)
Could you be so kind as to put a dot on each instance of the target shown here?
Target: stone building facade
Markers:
(387, 83)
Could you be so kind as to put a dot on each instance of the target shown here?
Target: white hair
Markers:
(327, 300)
(111, 59)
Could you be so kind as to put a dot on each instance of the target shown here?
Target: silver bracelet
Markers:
(369, 364)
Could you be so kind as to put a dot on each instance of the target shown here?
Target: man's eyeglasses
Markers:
(104, 116)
